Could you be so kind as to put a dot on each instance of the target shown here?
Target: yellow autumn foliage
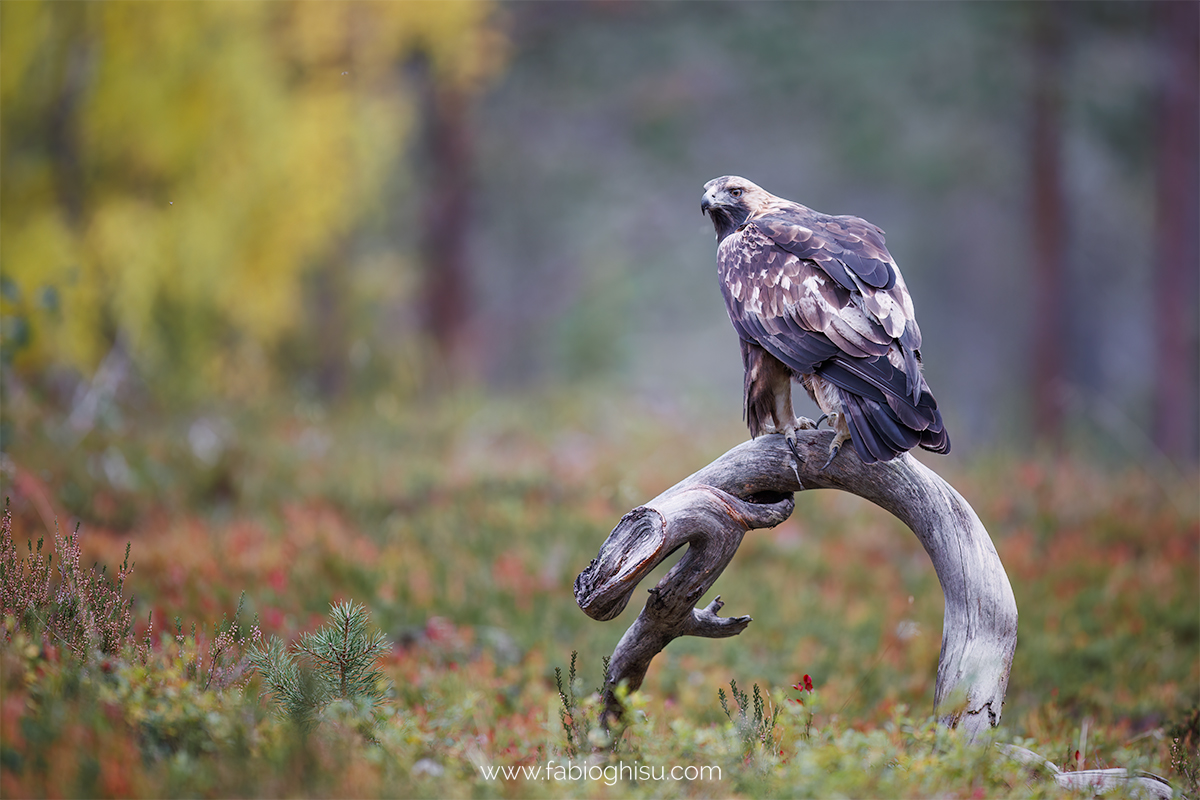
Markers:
(172, 169)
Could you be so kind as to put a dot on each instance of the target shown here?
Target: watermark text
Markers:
(609, 774)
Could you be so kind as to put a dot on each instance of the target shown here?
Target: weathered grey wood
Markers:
(708, 519)
(1095, 781)
(751, 486)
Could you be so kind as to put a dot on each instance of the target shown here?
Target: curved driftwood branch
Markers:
(708, 519)
(751, 486)
(1094, 781)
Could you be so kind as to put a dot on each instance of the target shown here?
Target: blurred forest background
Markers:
(224, 203)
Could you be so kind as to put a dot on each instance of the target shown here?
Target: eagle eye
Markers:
(735, 192)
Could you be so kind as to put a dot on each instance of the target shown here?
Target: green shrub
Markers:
(335, 664)
(754, 729)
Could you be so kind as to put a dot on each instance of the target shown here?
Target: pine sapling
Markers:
(336, 662)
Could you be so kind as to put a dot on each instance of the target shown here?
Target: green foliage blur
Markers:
(175, 174)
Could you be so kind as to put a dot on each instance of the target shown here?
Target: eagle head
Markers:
(730, 201)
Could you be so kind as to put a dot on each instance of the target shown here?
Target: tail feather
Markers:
(935, 439)
(879, 433)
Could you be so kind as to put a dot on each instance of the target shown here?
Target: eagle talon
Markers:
(839, 438)
(790, 438)
(820, 419)
(833, 451)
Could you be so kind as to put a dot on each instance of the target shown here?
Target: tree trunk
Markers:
(448, 307)
(752, 487)
(1178, 234)
(1048, 222)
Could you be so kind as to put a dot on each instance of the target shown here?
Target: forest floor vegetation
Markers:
(240, 559)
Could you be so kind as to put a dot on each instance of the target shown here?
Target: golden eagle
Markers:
(820, 299)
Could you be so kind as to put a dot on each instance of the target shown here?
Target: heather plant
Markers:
(335, 663)
(85, 613)
(224, 662)
(1184, 734)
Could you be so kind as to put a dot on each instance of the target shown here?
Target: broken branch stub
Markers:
(752, 486)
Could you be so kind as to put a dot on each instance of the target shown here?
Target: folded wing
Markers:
(823, 295)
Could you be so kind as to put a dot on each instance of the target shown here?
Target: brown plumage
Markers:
(820, 299)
